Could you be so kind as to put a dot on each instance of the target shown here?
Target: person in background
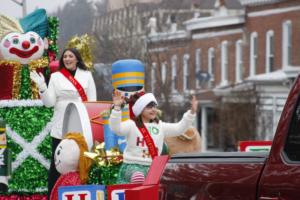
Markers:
(72, 83)
(144, 134)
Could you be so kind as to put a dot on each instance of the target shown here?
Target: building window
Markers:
(153, 76)
(211, 63)
(186, 58)
(163, 72)
(211, 66)
(270, 51)
(287, 43)
(239, 68)
(198, 65)
(253, 53)
(224, 63)
(174, 72)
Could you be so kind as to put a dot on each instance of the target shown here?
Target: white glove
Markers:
(39, 80)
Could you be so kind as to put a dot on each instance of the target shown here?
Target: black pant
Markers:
(53, 174)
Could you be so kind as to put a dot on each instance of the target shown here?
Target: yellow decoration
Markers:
(16, 81)
(84, 45)
(105, 157)
(33, 65)
(39, 63)
(8, 25)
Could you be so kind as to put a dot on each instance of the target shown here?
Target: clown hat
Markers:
(36, 21)
(8, 25)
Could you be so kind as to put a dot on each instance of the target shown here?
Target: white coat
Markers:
(61, 92)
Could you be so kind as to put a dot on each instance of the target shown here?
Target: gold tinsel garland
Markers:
(16, 81)
(17, 67)
(84, 45)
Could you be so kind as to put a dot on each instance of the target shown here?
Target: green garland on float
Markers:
(30, 176)
(53, 34)
(25, 89)
(104, 175)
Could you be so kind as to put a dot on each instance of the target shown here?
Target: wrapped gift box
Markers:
(147, 190)
(82, 192)
(144, 192)
(117, 192)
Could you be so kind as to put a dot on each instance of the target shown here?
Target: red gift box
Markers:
(117, 192)
(156, 169)
(144, 192)
(149, 190)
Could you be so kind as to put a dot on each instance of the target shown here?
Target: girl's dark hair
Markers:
(139, 122)
(138, 119)
(80, 62)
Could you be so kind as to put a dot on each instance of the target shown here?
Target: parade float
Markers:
(30, 44)
(26, 44)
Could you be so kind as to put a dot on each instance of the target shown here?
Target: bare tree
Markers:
(164, 88)
(237, 116)
(119, 40)
(76, 18)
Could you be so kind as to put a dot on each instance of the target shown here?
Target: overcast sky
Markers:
(10, 8)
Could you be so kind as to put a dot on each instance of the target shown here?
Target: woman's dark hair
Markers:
(80, 62)
(138, 119)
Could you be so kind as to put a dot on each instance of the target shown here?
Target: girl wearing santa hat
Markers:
(144, 133)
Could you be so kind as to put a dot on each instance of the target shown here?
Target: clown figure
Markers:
(22, 45)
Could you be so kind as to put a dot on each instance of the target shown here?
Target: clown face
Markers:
(66, 156)
(22, 47)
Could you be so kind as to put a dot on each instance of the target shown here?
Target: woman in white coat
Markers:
(72, 83)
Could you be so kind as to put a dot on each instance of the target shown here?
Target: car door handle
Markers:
(268, 198)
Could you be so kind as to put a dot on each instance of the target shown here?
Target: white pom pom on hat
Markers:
(142, 102)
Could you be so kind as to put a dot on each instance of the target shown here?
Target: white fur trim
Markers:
(142, 102)
(20, 103)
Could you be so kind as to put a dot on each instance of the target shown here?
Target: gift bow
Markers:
(105, 157)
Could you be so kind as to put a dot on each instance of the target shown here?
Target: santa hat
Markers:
(142, 102)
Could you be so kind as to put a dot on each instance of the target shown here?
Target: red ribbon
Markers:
(149, 141)
(76, 84)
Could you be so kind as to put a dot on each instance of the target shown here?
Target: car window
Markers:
(292, 145)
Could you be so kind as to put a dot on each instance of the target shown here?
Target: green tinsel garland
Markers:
(103, 175)
(53, 34)
(25, 89)
(30, 176)
(27, 121)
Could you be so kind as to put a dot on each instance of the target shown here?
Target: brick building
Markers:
(126, 24)
(254, 46)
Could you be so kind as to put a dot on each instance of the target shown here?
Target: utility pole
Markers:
(23, 3)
